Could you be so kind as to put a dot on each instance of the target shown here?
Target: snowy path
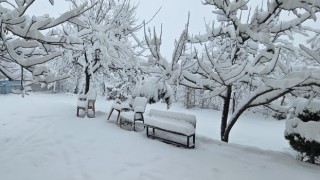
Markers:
(41, 138)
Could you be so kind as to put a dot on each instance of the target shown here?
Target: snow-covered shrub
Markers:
(116, 91)
(303, 129)
(154, 90)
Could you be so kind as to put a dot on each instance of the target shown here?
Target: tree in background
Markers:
(246, 60)
(29, 42)
(109, 43)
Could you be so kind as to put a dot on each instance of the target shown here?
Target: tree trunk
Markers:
(87, 74)
(187, 98)
(202, 100)
(194, 98)
(226, 134)
(76, 89)
(232, 121)
(225, 112)
(233, 103)
(103, 88)
(21, 82)
(87, 82)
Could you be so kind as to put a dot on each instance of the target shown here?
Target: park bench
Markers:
(91, 98)
(81, 103)
(171, 122)
(118, 106)
(86, 102)
(134, 113)
(129, 111)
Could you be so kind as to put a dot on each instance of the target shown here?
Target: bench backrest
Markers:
(82, 97)
(139, 101)
(92, 94)
(174, 115)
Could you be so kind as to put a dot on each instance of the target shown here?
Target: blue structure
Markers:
(7, 86)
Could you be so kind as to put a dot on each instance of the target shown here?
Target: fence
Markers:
(7, 86)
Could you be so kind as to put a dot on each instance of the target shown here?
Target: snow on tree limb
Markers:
(311, 53)
(68, 16)
(108, 42)
(8, 73)
(25, 44)
(52, 2)
(247, 63)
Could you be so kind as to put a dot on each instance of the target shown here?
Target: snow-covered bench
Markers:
(172, 122)
(91, 98)
(87, 102)
(81, 103)
(135, 113)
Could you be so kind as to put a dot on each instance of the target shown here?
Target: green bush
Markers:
(309, 150)
(303, 131)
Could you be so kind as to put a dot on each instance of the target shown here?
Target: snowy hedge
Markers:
(303, 129)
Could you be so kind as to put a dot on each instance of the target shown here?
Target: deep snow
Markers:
(41, 138)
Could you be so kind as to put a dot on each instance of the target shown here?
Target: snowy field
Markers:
(42, 139)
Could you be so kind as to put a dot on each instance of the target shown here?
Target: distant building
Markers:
(6, 86)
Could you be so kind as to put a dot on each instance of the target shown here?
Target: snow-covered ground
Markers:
(41, 138)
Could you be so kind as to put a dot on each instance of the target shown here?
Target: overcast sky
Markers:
(173, 16)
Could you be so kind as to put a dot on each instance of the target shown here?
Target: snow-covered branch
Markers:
(25, 40)
(247, 63)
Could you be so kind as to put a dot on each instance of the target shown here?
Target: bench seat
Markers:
(171, 122)
(166, 123)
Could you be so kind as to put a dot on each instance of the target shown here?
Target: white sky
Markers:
(173, 16)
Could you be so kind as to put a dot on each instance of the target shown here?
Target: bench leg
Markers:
(94, 110)
(134, 122)
(118, 116)
(188, 138)
(142, 120)
(194, 140)
(110, 113)
(78, 110)
(134, 125)
(147, 131)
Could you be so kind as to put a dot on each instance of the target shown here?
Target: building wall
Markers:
(7, 86)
